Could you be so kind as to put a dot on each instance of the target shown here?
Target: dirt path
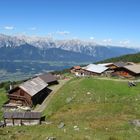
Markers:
(54, 88)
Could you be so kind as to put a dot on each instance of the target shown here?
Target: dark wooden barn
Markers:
(29, 93)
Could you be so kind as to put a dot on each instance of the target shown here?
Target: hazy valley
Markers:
(23, 55)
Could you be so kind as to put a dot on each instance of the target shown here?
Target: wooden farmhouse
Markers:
(77, 70)
(29, 93)
(93, 69)
(128, 71)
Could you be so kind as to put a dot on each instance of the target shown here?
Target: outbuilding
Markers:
(49, 78)
(21, 118)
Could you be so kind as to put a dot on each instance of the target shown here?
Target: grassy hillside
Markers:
(3, 98)
(91, 109)
(125, 58)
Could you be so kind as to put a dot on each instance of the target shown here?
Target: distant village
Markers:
(118, 69)
(19, 109)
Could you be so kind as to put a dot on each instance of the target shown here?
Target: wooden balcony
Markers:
(18, 97)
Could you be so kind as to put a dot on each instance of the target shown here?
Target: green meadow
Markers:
(3, 99)
(89, 109)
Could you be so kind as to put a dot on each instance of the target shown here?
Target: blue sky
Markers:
(103, 21)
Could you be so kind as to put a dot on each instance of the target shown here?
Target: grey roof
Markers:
(133, 68)
(120, 64)
(33, 86)
(95, 68)
(22, 115)
(48, 77)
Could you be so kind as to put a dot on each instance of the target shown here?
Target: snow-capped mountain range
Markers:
(43, 45)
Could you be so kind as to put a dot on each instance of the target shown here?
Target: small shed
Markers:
(21, 118)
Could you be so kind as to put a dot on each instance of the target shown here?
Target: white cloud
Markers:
(9, 27)
(125, 42)
(63, 32)
(33, 28)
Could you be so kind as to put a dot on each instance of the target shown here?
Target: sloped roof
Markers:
(134, 68)
(77, 67)
(22, 115)
(95, 68)
(33, 86)
(120, 64)
(48, 77)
